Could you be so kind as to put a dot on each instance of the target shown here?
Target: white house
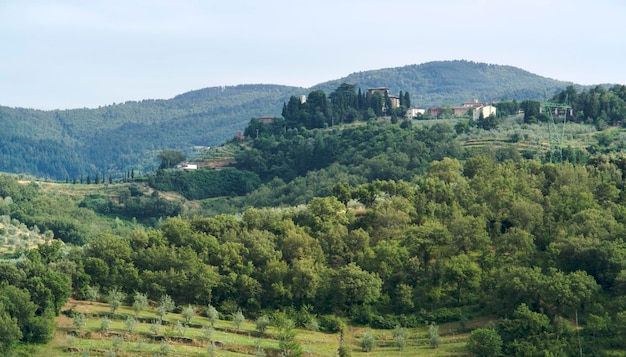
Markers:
(485, 110)
(414, 112)
(186, 166)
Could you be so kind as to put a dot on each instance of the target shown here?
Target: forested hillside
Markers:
(115, 138)
(112, 139)
(381, 223)
(454, 82)
(536, 249)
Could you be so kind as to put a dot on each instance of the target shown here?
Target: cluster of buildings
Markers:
(474, 109)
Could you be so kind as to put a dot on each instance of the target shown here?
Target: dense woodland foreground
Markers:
(400, 227)
(533, 245)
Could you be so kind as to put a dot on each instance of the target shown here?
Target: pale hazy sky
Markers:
(86, 53)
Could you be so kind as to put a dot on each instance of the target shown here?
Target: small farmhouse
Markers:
(414, 112)
(484, 111)
(188, 166)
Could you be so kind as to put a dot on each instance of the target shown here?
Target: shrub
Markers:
(485, 342)
(368, 341)
(433, 336)
(331, 323)
(386, 322)
(344, 351)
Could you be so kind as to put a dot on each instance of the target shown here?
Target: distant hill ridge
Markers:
(63, 144)
(454, 82)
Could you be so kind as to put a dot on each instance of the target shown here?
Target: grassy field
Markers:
(174, 339)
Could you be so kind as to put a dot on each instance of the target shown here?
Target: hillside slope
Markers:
(115, 138)
(454, 82)
(112, 139)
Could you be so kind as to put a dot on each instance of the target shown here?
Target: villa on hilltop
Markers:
(384, 91)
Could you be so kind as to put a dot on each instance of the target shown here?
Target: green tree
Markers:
(131, 324)
(344, 103)
(93, 294)
(154, 327)
(170, 158)
(352, 285)
(212, 315)
(262, 322)
(368, 341)
(166, 304)
(342, 192)
(207, 332)
(464, 274)
(80, 321)
(488, 123)
(60, 286)
(10, 333)
(485, 342)
(180, 328)
(188, 313)
(532, 111)
(115, 298)
(140, 303)
(105, 324)
(211, 349)
(161, 312)
(287, 339)
(238, 319)
(399, 337)
(313, 325)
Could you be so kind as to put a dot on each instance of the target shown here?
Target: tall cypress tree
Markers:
(360, 101)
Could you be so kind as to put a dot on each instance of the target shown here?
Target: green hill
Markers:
(454, 82)
(113, 139)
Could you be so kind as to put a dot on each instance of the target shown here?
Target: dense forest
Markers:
(114, 138)
(533, 245)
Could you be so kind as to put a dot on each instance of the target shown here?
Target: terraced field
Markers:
(144, 336)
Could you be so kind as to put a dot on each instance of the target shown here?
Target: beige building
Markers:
(384, 91)
(460, 111)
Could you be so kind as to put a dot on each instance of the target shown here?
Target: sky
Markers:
(61, 54)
